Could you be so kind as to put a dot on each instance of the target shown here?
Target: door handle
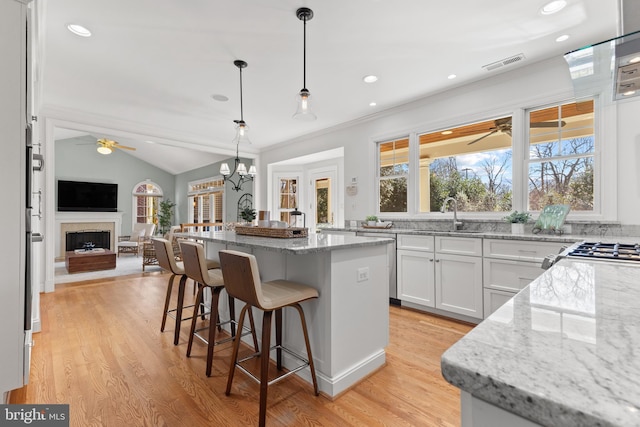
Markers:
(38, 158)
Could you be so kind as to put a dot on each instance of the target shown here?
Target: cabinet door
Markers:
(493, 300)
(459, 284)
(415, 277)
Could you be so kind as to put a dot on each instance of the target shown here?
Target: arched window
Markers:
(146, 199)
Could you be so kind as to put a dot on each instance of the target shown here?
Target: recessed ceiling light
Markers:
(562, 38)
(79, 30)
(219, 97)
(150, 142)
(629, 93)
(553, 7)
(370, 79)
(372, 104)
(451, 76)
(447, 132)
(634, 60)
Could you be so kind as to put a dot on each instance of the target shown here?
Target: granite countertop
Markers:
(300, 245)
(542, 237)
(565, 351)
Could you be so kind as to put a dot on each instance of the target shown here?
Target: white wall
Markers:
(506, 93)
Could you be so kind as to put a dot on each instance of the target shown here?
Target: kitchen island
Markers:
(349, 322)
(563, 352)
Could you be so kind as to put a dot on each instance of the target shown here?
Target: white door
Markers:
(324, 197)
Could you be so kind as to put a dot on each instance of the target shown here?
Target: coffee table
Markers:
(89, 261)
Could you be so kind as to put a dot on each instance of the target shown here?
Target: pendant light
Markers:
(241, 136)
(304, 97)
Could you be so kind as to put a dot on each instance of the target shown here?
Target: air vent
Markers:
(504, 62)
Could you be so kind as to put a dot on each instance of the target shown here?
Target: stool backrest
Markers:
(194, 261)
(164, 254)
(241, 276)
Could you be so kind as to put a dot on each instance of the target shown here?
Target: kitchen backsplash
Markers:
(579, 228)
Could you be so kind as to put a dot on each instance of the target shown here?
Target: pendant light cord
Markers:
(304, 53)
(241, 109)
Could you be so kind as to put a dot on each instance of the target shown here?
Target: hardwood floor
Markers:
(102, 352)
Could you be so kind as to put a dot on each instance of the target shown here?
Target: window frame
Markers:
(604, 161)
(159, 195)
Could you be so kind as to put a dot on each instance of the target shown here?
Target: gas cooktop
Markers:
(606, 251)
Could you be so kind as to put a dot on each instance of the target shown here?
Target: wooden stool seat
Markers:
(167, 261)
(242, 281)
(195, 267)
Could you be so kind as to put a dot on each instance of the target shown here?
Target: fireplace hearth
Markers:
(88, 238)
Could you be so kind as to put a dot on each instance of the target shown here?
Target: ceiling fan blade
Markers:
(547, 124)
(116, 145)
(483, 137)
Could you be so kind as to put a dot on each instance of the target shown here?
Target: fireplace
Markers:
(79, 239)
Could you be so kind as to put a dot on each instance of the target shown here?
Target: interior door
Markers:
(324, 198)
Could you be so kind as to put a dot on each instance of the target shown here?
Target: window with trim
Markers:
(471, 163)
(146, 199)
(561, 156)
(206, 200)
(393, 174)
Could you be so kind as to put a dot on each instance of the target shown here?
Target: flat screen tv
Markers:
(77, 196)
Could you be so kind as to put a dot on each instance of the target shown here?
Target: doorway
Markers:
(324, 197)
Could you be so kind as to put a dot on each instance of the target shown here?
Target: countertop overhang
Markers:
(562, 352)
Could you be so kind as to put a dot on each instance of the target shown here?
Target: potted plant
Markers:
(248, 214)
(371, 220)
(165, 215)
(517, 220)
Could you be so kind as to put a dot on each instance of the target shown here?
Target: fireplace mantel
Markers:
(76, 221)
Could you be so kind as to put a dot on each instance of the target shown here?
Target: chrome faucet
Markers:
(456, 224)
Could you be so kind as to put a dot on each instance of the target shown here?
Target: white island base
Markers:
(349, 322)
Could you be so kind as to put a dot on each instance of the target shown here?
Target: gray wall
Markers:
(77, 160)
(213, 170)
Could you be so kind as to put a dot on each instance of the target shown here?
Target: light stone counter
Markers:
(564, 352)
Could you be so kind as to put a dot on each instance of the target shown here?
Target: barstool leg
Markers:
(236, 347)
(306, 341)
(264, 365)
(279, 338)
(215, 296)
(232, 315)
(176, 336)
(167, 300)
(253, 329)
(196, 307)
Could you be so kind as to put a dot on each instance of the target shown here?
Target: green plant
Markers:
(165, 215)
(371, 218)
(518, 217)
(248, 214)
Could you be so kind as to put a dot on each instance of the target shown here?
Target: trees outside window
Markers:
(393, 160)
(561, 159)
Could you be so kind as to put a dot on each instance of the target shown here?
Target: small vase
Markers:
(371, 223)
(517, 228)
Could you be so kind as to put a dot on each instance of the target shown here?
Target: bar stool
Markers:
(167, 261)
(242, 281)
(196, 268)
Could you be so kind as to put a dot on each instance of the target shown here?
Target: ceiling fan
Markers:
(106, 146)
(504, 125)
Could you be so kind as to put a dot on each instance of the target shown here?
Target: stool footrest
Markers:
(245, 331)
(305, 363)
(171, 313)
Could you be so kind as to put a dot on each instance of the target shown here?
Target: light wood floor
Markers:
(102, 352)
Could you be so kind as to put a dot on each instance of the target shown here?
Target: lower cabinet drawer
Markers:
(510, 276)
(493, 300)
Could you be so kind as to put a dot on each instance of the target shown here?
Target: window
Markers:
(287, 197)
(474, 163)
(561, 156)
(393, 173)
(206, 201)
(471, 163)
(146, 198)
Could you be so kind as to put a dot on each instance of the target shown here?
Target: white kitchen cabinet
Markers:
(459, 284)
(416, 277)
(509, 266)
(442, 273)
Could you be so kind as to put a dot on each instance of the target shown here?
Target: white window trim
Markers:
(134, 195)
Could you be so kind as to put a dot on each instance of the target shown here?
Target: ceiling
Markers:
(151, 67)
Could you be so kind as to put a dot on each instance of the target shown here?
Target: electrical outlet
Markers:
(353, 224)
(363, 274)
